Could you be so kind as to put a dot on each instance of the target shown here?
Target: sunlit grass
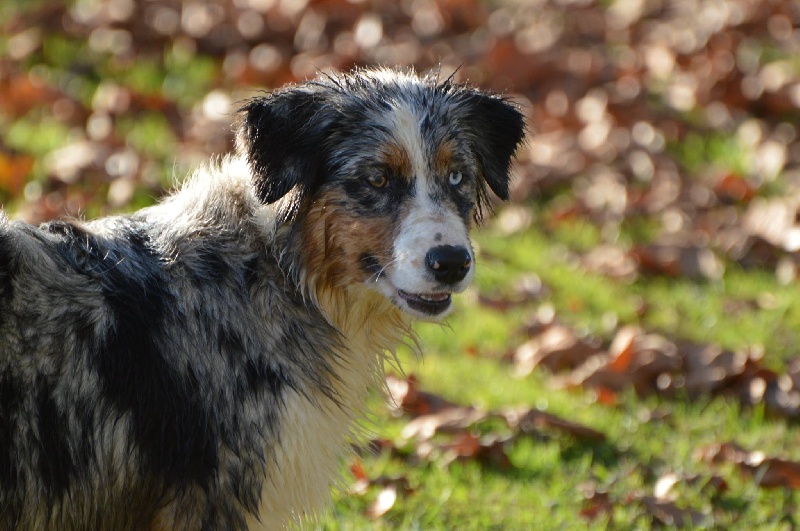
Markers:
(461, 363)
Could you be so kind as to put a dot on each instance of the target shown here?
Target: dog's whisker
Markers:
(376, 276)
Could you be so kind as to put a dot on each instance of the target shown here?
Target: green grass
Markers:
(724, 152)
(544, 487)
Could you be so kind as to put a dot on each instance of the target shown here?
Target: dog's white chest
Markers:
(315, 434)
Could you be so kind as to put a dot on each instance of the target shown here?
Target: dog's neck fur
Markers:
(318, 424)
(319, 419)
(369, 327)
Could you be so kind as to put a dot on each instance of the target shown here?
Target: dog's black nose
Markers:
(448, 264)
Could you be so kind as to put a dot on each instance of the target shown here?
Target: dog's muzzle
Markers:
(446, 267)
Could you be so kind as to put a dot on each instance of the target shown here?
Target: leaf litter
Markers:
(679, 112)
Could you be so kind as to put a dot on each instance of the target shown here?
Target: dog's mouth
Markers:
(427, 303)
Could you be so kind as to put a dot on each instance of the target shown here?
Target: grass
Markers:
(544, 488)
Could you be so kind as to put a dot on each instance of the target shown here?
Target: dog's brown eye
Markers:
(377, 180)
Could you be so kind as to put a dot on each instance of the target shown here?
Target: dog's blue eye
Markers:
(377, 180)
(455, 178)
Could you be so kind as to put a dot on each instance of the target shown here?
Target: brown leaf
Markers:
(465, 445)
(766, 471)
(357, 469)
(656, 260)
(557, 348)
(622, 351)
(405, 397)
(612, 261)
(534, 419)
(20, 93)
(668, 513)
(640, 360)
(733, 188)
(596, 504)
(14, 169)
(710, 368)
(606, 396)
(674, 260)
(452, 419)
(362, 481)
(489, 450)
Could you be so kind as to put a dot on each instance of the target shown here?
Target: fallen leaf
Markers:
(533, 419)
(383, 502)
(14, 169)
(21, 92)
(673, 260)
(710, 368)
(611, 261)
(606, 396)
(357, 469)
(663, 488)
(596, 504)
(406, 398)
(450, 419)
(360, 475)
(646, 357)
(766, 471)
(557, 347)
(669, 513)
(622, 350)
(487, 450)
(731, 187)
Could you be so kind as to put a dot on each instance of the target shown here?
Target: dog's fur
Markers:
(200, 363)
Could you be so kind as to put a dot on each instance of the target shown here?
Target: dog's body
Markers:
(200, 363)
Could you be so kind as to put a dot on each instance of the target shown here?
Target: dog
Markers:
(203, 363)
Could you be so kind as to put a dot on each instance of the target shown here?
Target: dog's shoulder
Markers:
(217, 196)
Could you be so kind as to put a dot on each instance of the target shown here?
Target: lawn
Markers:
(627, 356)
(557, 479)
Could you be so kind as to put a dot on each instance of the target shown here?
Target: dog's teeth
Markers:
(433, 297)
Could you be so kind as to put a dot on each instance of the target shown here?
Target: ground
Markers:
(628, 354)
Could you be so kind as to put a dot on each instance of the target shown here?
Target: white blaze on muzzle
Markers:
(432, 258)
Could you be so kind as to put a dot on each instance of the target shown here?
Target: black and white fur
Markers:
(200, 364)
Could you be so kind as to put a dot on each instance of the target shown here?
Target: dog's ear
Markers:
(282, 136)
(497, 128)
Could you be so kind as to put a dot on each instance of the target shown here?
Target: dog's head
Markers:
(381, 174)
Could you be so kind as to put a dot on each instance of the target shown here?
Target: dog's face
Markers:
(385, 173)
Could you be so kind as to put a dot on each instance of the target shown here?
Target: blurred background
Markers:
(629, 354)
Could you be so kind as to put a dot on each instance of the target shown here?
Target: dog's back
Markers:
(199, 364)
(132, 366)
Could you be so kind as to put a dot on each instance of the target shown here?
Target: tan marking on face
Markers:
(443, 158)
(334, 240)
(397, 160)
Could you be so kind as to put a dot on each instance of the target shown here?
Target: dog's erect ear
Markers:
(497, 128)
(283, 137)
